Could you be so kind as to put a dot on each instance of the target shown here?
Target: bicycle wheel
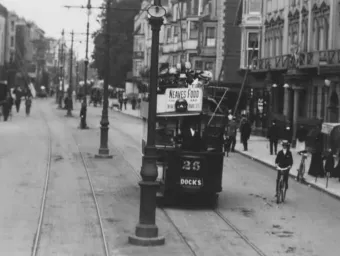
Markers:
(279, 194)
(284, 191)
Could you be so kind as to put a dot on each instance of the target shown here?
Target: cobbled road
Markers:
(306, 225)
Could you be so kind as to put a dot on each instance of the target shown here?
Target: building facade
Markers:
(11, 36)
(299, 61)
(3, 40)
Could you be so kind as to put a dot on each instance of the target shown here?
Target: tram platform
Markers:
(258, 150)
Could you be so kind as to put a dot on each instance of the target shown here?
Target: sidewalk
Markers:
(258, 150)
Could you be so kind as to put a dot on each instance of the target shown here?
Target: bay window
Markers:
(252, 49)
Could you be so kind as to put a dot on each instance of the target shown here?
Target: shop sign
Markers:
(193, 97)
(191, 182)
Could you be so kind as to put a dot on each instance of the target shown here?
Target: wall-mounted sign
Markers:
(192, 96)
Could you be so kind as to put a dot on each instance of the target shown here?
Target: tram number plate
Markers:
(191, 165)
(191, 182)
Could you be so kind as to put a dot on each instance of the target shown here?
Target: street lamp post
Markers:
(69, 90)
(146, 233)
(104, 151)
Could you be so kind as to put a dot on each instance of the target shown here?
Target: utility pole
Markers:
(69, 90)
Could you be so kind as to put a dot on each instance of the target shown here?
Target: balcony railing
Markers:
(300, 60)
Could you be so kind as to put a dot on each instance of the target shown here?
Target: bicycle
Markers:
(302, 167)
(282, 188)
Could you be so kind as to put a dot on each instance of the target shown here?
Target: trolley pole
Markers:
(146, 233)
(69, 90)
(104, 151)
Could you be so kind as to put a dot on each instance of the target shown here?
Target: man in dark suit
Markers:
(245, 130)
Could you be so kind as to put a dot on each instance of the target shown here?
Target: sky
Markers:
(52, 17)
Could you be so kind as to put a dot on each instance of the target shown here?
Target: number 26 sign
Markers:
(191, 165)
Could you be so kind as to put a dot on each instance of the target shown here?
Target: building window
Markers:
(315, 101)
(252, 47)
(323, 103)
(304, 35)
(12, 26)
(254, 6)
(210, 37)
(168, 34)
(193, 6)
(12, 41)
(193, 29)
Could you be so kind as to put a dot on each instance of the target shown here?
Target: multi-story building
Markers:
(3, 40)
(300, 60)
(249, 19)
(142, 42)
(11, 34)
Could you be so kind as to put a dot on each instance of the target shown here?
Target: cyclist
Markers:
(284, 160)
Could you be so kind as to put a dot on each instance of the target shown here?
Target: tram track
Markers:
(216, 211)
(38, 234)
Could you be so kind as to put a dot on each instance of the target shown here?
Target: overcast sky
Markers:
(52, 17)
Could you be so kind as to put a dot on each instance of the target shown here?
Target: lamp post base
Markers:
(149, 241)
(147, 234)
(69, 115)
(104, 153)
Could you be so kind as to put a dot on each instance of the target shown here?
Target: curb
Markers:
(290, 175)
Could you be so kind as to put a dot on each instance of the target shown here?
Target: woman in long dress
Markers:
(316, 166)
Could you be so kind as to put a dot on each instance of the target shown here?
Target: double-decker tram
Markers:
(189, 145)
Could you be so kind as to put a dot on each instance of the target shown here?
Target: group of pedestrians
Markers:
(14, 98)
(230, 133)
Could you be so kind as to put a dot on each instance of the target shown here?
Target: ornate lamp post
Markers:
(146, 233)
(104, 151)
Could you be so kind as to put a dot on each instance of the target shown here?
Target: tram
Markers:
(189, 146)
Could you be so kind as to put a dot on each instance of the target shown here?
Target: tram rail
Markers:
(216, 211)
(36, 241)
(44, 194)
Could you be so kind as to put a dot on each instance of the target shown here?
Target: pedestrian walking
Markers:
(273, 136)
(316, 168)
(28, 104)
(245, 130)
(82, 115)
(301, 136)
(7, 107)
(120, 99)
(125, 100)
(232, 132)
(133, 102)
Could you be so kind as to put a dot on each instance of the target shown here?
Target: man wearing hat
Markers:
(284, 160)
